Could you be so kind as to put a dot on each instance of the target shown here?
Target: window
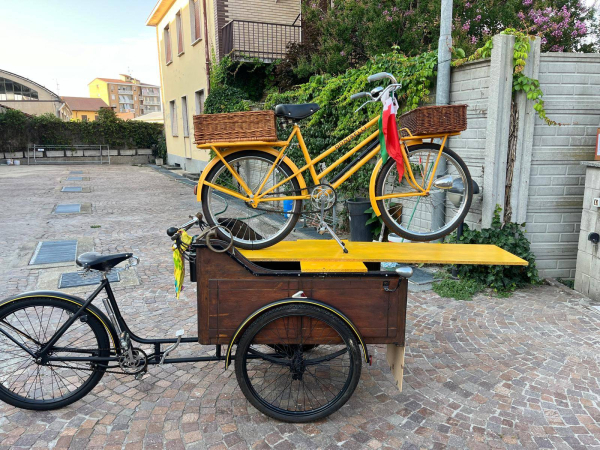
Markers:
(113, 96)
(179, 34)
(195, 20)
(84, 118)
(11, 90)
(184, 117)
(173, 109)
(200, 101)
(96, 117)
(112, 88)
(167, 40)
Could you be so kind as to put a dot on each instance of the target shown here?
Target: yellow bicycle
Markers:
(257, 192)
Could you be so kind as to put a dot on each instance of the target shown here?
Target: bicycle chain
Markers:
(80, 350)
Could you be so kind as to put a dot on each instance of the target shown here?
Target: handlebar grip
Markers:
(171, 231)
(358, 95)
(378, 76)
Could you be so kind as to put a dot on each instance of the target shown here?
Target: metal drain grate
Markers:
(50, 252)
(68, 208)
(75, 279)
(76, 171)
(71, 189)
(74, 178)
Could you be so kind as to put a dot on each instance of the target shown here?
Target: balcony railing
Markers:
(267, 41)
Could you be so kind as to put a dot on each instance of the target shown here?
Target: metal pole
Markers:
(442, 97)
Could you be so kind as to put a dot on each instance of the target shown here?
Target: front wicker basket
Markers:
(233, 127)
(435, 120)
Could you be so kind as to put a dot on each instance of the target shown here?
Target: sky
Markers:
(70, 42)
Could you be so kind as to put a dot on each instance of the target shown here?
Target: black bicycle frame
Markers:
(154, 358)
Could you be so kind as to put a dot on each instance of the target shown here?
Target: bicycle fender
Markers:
(291, 301)
(226, 153)
(372, 186)
(71, 299)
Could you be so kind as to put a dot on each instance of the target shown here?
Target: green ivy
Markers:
(18, 130)
(509, 236)
(521, 82)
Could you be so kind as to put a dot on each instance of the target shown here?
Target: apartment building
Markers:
(126, 95)
(189, 33)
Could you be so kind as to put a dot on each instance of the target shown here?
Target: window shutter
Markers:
(197, 19)
(167, 45)
(179, 34)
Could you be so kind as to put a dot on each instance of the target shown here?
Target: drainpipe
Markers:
(442, 97)
(206, 48)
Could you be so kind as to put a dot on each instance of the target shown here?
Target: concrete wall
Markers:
(60, 156)
(548, 184)
(470, 85)
(571, 86)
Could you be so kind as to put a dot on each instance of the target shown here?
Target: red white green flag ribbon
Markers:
(388, 134)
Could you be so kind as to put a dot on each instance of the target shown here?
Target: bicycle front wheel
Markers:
(33, 384)
(432, 216)
(249, 227)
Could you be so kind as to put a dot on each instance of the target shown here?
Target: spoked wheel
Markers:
(252, 228)
(298, 363)
(30, 384)
(413, 217)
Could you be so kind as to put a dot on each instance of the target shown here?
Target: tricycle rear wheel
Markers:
(298, 363)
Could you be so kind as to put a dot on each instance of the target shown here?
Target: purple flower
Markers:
(466, 26)
(557, 48)
(527, 2)
(342, 53)
(385, 12)
(389, 18)
(473, 39)
(478, 18)
(520, 15)
(468, 5)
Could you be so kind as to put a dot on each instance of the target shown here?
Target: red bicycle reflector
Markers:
(196, 190)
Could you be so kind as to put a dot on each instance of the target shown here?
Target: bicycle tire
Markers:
(93, 375)
(211, 216)
(450, 226)
(248, 370)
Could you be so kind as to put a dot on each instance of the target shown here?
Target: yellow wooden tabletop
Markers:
(319, 252)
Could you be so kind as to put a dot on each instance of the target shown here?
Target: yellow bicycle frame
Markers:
(278, 150)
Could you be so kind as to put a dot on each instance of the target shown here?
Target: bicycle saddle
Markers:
(296, 112)
(96, 261)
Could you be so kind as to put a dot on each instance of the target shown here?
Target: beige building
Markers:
(189, 33)
(20, 93)
(126, 95)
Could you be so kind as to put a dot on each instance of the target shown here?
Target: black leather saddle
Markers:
(296, 112)
(96, 261)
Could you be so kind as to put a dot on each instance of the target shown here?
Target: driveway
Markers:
(518, 372)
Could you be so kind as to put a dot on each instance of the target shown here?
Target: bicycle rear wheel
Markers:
(298, 363)
(30, 384)
(413, 217)
(251, 228)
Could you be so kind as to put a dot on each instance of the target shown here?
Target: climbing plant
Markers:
(521, 82)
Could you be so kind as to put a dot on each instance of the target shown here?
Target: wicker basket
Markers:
(435, 120)
(232, 127)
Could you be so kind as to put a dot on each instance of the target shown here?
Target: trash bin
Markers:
(359, 230)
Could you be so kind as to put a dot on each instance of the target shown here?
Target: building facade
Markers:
(21, 93)
(189, 34)
(126, 94)
(84, 109)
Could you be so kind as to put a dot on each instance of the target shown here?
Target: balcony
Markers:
(243, 39)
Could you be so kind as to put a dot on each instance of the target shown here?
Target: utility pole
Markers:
(442, 97)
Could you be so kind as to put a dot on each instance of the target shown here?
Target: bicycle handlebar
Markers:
(172, 232)
(381, 76)
(359, 95)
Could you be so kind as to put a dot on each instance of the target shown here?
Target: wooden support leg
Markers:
(395, 359)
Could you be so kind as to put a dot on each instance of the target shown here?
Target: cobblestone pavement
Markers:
(520, 372)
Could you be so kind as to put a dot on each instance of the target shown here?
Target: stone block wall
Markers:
(59, 156)
(470, 85)
(571, 86)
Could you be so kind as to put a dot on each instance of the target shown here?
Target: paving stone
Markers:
(519, 372)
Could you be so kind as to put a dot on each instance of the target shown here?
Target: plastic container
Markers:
(359, 230)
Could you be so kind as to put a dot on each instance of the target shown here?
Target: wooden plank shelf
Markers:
(327, 254)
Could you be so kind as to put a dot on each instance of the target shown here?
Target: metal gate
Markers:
(38, 154)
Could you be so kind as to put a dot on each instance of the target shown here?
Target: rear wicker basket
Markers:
(435, 120)
(232, 127)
